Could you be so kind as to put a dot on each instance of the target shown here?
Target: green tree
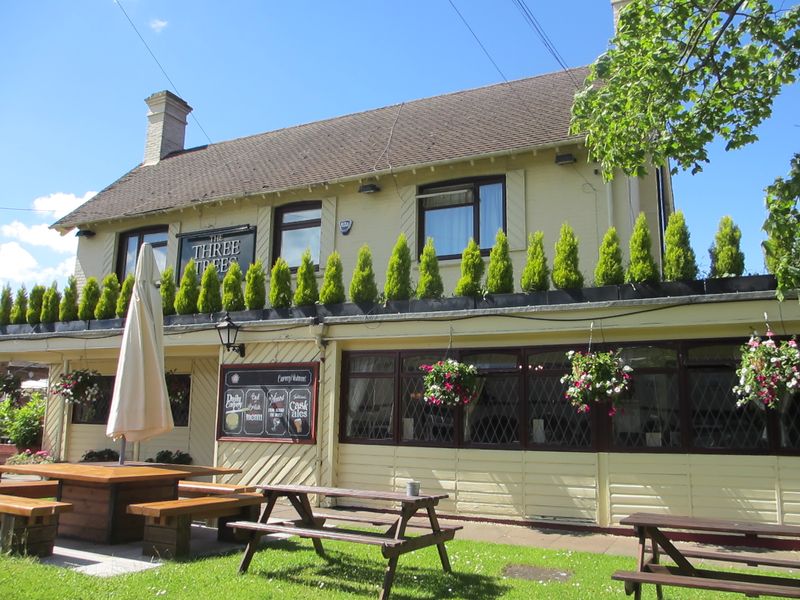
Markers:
(107, 305)
(398, 272)
(782, 247)
(727, 259)
(232, 296)
(50, 302)
(536, 275)
(188, 290)
(642, 268)
(125, 293)
(19, 310)
(306, 293)
(500, 277)
(68, 309)
(332, 291)
(677, 75)
(472, 267)
(167, 291)
(679, 259)
(210, 299)
(255, 286)
(6, 302)
(90, 295)
(609, 270)
(566, 271)
(430, 281)
(34, 314)
(280, 285)
(362, 285)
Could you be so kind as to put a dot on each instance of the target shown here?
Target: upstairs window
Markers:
(452, 213)
(130, 243)
(297, 228)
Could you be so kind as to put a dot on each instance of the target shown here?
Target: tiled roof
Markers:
(524, 114)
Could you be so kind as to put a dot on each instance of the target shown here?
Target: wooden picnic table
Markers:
(101, 492)
(393, 540)
(656, 534)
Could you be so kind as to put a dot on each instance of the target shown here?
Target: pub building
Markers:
(333, 395)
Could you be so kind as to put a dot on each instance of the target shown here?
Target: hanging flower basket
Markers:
(450, 383)
(769, 371)
(178, 387)
(596, 377)
(80, 386)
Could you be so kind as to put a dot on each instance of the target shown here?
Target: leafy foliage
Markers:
(306, 293)
(679, 73)
(68, 309)
(332, 291)
(398, 272)
(769, 372)
(642, 268)
(280, 285)
(536, 275)
(500, 277)
(6, 302)
(90, 295)
(472, 267)
(188, 291)
(232, 296)
(210, 299)
(596, 377)
(107, 305)
(450, 383)
(609, 270)
(167, 291)
(50, 302)
(19, 309)
(106, 455)
(255, 286)
(25, 429)
(566, 270)
(783, 229)
(727, 259)
(362, 286)
(679, 259)
(34, 314)
(430, 284)
(125, 293)
(178, 457)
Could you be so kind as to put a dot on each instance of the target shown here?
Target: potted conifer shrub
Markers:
(68, 308)
(609, 273)
(566, 276)
(167, 291)
(280, 289)
(306, 294)
(397, 289)
(641, 277)
(125, 293)
(536, 275)
(680, 265)
(500, 277)
(363, 290)
(186, 296)
(331, 295)
(209, 301)
(6, 302)
(255, 287)
(468, 287)
(34, 314)
(727, 264)
(90, 294)
(49, 314)
(430, 288)
(105, 311)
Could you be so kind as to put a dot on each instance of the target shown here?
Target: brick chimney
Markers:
(166, 125)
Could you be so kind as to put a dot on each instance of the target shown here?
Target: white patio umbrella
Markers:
(140, 404)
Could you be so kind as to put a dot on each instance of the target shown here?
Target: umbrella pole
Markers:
(122, 451)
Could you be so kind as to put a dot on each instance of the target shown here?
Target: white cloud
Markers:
(40, 235)
(59, 204)
(158, 25)
(18, 266)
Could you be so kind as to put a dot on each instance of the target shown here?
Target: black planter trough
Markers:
(746, 283)
(512, 300)
(440, 304)
(660, 289)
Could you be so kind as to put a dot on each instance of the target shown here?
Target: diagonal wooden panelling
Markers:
(327, 238)
(515, 209)
(53, 416)
(263, 235)
(203, 403)
(172, 243)
(109, 250)
(408, 217)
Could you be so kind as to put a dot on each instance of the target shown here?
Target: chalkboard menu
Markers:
(268, 402)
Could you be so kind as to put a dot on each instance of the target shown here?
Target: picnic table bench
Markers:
(28, 525)
(195, 489)
(393, 540)
(654, 532)
(167, 524)
(30, 489)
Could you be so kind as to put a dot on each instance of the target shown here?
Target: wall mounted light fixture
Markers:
(566, 159)
(85, 233)
(228, 332)
(369, 188)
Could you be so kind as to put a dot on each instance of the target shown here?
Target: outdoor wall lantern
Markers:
(369, 188)
(566, 159)
(227, 331)
(85, 233)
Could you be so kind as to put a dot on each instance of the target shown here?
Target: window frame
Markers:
(465, 183)
(122, 244)
(279, 227)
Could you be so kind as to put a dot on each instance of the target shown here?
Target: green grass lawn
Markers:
(291, 570)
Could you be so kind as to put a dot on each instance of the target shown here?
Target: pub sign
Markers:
(220, 247)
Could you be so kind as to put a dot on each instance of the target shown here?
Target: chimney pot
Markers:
(166, 125)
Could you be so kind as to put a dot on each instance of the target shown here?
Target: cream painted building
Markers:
(333, 398)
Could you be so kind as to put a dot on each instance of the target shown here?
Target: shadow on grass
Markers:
(345, 573)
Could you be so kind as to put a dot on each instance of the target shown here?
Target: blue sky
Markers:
(75, 75)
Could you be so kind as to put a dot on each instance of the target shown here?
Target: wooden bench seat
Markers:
(28, 525)
(382, 520)
(194, 489)
(752, 560)
(341, 535)
(30, 489)
(709, 580)
(167, 526)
